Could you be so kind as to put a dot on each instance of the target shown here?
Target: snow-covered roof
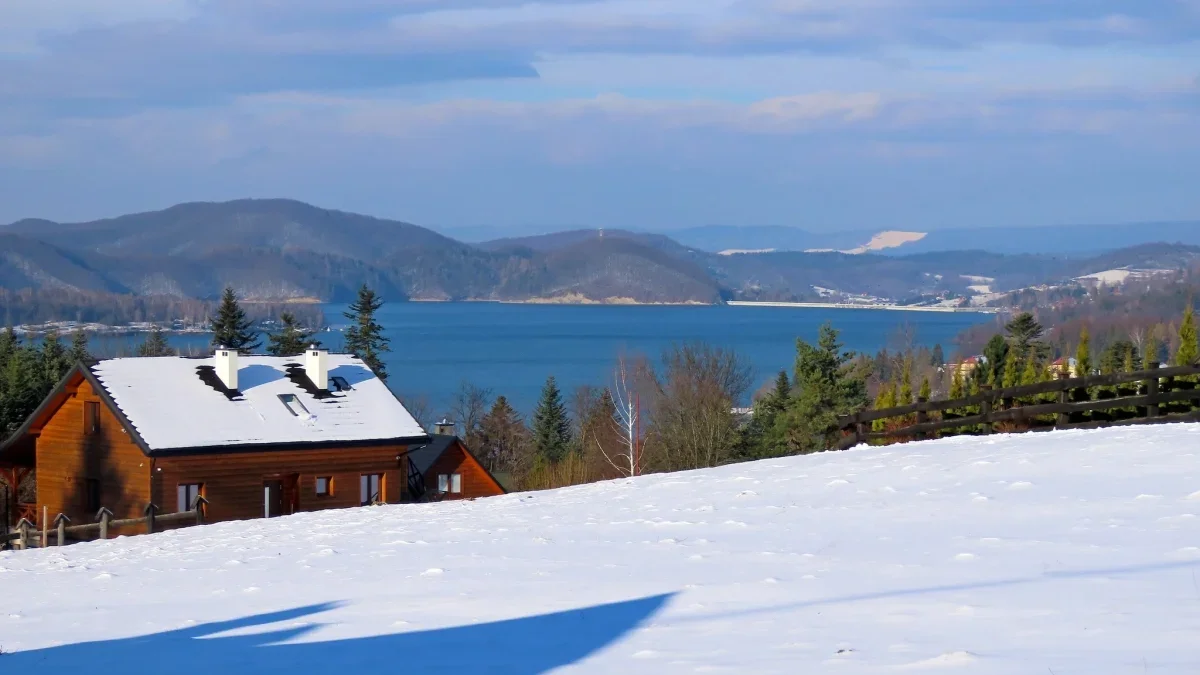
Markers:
(171, 406)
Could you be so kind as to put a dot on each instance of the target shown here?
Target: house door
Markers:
(291, 493)
(272, 498)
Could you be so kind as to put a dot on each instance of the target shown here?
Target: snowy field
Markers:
(1074, 552)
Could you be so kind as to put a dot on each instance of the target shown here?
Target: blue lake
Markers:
(511, 348)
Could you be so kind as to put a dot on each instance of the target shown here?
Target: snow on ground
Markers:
(1065, 552)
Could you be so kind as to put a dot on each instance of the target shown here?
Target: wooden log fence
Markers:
(1156, 388)
(26, 535)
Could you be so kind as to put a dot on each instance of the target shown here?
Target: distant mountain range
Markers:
(280, 250)
(1074, 240)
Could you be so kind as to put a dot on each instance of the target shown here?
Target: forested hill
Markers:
(284, 250)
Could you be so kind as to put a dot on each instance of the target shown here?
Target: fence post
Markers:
(922, 417)
(198, 505)
(104, 515)
(24, 527)
(985, 408)
(150, 510)
(1152, 392)
(1064, 397)
(60, 523)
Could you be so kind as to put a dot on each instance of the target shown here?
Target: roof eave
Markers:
(271, 447)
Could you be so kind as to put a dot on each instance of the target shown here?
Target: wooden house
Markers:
(444, 468)
(254, 435)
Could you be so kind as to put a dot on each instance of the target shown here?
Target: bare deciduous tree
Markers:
(470, 404)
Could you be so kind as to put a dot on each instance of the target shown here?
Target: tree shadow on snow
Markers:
(523, 646)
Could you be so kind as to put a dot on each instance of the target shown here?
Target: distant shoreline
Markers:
(849, 305)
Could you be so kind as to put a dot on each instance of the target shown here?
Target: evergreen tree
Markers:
(1033, 372)
(905, 387)
(503, 434)
(291, 339)
(23, 385)
(926, 391)
(1151, 352)
(1083, 354)
(551, 425)
(1130, 364)
(938, 358)
(1012, 369)
(155, 344)
(79, 349)
(886, 398)
(781, 396)
(1025, 333)
(996, 353)
(230, 326)
(826, 383)
(55, 360)
(957, 387)
(364, 337)
(1189, 345)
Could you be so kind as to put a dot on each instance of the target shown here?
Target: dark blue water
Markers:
(510, 349)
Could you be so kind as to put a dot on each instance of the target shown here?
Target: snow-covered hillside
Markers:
(1062, 553)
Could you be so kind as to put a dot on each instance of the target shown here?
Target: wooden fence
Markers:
(27, 535)
(1153, 396)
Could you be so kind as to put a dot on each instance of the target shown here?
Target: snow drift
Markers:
(1071, 552)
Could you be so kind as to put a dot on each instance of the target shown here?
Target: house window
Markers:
(186, 494)
(370, 488)
(324, 486)
(456, 483)
(443, 482)
(91, 488)
(91, 417)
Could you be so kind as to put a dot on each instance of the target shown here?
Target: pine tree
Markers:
(1024, 333)
(364, 337)
(55, 360)
(155, 344)
(291, 339)
(827, 382)
(503, 434)
(1032, 374)
(1150, 354)
(996, 353)
(230, 326)
(1083, 354)
(1130, 364)
(957, 388)
(905, 387)
(886, 398)
(926, 391)
(781, 396)
(1012, 369)
(78, 353)
(1189, 345)
(551, 425)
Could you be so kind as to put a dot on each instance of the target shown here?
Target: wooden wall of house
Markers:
(233, 482)
(68, 457)
(475, 479)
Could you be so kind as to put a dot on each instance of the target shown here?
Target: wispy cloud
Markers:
(590, 97)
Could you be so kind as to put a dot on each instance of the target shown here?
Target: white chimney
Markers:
(316, 366)
(227, 366)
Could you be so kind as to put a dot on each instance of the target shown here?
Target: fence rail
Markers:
(1155, 389)
(27, 535)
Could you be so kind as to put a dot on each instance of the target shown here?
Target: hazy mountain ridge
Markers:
(283, 250)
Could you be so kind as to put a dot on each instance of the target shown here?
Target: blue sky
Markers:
(658, 114)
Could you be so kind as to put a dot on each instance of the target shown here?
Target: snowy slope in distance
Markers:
(1063, 552)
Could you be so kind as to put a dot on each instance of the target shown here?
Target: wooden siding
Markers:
(476, 482)
(233, 482)
(67, 458)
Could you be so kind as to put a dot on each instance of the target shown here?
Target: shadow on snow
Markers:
(521, 646)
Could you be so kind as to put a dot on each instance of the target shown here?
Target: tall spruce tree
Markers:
(155, 344)
(78, 353)
(1189, 344)
(291, 338)
(551, 424)
(1025, 333)
(231, 328)
(364, 337)
(1083, 354)
(55, 360)
(827, 383)
(996, 353)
